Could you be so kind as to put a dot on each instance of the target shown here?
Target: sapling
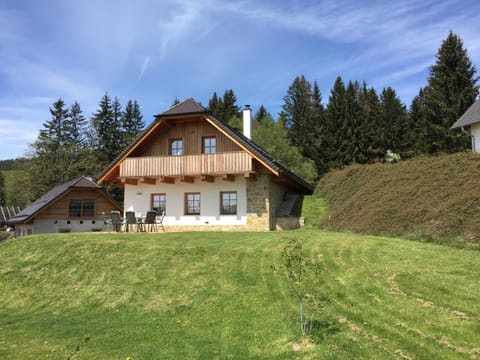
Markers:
(297, 268)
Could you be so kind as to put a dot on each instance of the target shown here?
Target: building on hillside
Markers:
(206, 175)
(7, 212)
(75, 206)
(471, 119)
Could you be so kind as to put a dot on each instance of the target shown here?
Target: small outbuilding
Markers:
(75, 206)
(471, 119)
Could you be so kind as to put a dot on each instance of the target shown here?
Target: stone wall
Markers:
(258, 207)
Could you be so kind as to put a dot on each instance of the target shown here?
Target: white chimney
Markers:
(247, 122)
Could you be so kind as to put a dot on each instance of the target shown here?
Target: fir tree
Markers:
(333, 124)
(260, 114)
(297, 112)
(450, 91)
(52, 152)
(76, 126)
(372, 132)
(107, 130)
(132, 122)
(393, 117)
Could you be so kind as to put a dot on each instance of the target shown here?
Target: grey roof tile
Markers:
(189, 106)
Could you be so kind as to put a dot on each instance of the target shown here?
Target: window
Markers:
(228, 203)
(176, 147)
(192, 203)
(158, 202)
(209, 145)
(81, 208)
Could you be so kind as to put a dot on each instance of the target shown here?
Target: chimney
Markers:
(247, 122)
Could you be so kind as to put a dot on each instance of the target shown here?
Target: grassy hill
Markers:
(429, 197)
(225, 296)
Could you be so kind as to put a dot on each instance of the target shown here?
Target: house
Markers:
(206, 175)
(471, 119)
(75, 206)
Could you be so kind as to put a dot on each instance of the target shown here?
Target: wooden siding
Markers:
(192, 132)
(193, 165)
(59, 209)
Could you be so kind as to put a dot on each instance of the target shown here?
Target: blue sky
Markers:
(156, 50)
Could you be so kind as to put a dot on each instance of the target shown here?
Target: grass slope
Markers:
(433, 197)
(225, 296)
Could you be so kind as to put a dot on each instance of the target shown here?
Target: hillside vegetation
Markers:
(433, 197)
(226, 296)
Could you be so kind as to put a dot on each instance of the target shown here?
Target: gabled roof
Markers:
(471, 116)
(51, 196)
(190, 107)
(186, 107)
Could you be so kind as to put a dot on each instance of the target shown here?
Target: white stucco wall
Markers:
(475, 132)
(137, 198)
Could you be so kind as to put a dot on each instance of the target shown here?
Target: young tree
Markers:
(272, 136)
(450, 91)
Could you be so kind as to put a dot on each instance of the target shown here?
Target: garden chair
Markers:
(150, 220)
(116, 220)
(130, 221)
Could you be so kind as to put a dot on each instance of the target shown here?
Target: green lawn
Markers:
(225, 296)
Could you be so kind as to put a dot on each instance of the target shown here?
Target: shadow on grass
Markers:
(323, 328)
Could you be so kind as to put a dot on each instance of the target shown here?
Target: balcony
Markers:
(186, 165)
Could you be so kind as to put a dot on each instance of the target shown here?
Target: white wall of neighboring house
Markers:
(475, 132)
(137, 198)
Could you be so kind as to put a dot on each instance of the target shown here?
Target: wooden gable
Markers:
(191, 130)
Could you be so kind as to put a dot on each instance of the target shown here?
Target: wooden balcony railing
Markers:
(191, 165)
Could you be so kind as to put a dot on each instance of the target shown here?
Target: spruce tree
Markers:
(372, 134)
(260, 114)
(450, 91)
(108, 131)
(76, 126)
(297, 112)
(395, 122)
(334, 123)
(132, 122)
(52, 152)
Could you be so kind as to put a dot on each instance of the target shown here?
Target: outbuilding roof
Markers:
(471, 116)
(51, 196)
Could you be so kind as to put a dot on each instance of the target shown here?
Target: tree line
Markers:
(358, 124)
(69, 146)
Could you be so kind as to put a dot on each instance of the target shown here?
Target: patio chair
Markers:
(160, 221)
(130, 221)
(116, 220)
(152, 222)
